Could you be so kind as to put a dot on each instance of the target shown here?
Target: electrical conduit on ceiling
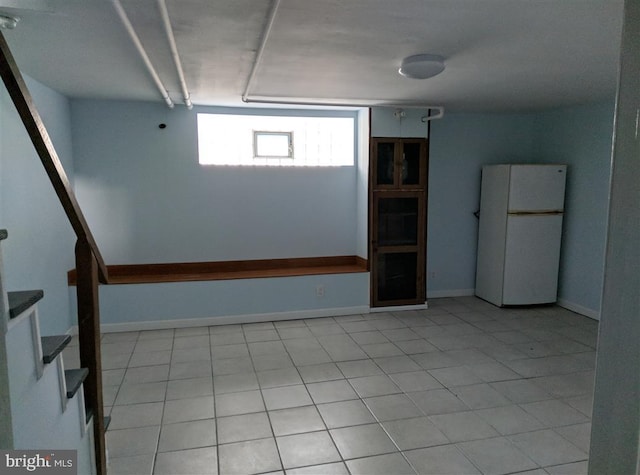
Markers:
(263, 43)
(174, 52)
(143, 54)
(439, 110)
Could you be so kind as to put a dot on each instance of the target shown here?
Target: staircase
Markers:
(41, 403)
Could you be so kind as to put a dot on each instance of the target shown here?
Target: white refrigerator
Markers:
(520, 229)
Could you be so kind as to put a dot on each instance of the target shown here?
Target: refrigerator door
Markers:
(537, 188)
(491, 233)
(532, 256)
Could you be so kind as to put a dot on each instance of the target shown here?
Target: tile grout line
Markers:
(376, 417)
(264, 402)
(215, 408)
(164, 404)
(315, 406)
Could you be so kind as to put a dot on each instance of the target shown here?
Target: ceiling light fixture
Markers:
(421, 66)
(8, 22)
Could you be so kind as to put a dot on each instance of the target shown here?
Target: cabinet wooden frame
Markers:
(397, 189)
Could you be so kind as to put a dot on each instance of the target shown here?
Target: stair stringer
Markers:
(42, 416)
(6, 432)
(35, 412)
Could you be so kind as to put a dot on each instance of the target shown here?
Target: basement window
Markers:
(322, 140)
(272, 144)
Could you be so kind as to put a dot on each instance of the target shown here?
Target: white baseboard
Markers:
(228, 319)
(587, 312)
(300, 314)
(437, 294)
(399, 308)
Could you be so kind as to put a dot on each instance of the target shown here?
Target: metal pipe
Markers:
(263, 43)
(174, 52)
(263, 100)
(429, 117)
(143, 54)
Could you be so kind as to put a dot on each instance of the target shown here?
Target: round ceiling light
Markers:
(422, 66)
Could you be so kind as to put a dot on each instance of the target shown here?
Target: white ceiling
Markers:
(501, 55)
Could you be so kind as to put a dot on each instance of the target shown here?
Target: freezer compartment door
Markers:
(532, 257)
(537, 188)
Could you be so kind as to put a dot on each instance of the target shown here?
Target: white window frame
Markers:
(289, 135)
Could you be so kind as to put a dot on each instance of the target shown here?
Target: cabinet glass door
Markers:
(411, 164)
(397, 276)
(397, 221)
(385, 153)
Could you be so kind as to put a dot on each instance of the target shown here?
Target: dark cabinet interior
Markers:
(397, 221)
(385, 163)
(397, 276)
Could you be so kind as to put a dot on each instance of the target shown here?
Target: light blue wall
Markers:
(39, 250)
(615, 434)
(143, 192)
(148, 200)
(581, 137)
(460, 144)
(136, 303)
(362, 186)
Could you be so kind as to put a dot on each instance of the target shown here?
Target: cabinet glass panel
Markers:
(411, 164)
(398, 221)
(397, 273)
(384, 163)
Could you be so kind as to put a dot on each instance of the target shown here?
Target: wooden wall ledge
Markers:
(227, 270)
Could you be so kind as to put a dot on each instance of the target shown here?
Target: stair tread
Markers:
(74, 379)
(21, 300)
(52, 346)
(3, 234)
(106, 419)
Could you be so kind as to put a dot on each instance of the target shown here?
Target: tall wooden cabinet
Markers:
(397, 220)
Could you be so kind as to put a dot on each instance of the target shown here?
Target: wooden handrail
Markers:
(32, 121)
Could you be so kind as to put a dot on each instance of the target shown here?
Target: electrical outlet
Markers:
(320, 290)
(432, 274)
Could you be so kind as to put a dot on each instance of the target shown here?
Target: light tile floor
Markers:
(460, 388)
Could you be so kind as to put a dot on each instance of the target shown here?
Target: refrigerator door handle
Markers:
(535, 213)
